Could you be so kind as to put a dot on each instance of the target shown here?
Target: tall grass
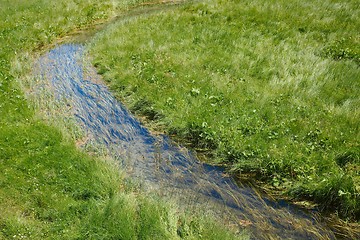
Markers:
(269, 88)
(48, 188)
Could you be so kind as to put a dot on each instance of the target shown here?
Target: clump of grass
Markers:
(271, 88)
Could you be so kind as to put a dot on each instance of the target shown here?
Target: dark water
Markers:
(160, 165)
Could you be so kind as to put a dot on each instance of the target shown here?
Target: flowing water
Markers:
(160, 165)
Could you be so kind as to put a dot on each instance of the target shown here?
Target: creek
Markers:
(157, 163)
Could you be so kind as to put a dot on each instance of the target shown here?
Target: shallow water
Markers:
(156, 162)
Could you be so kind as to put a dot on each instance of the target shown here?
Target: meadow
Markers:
(49, 189)
(269, 89)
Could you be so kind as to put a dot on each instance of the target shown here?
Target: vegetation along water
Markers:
(267, 88)
(161, 167)
(49, 189)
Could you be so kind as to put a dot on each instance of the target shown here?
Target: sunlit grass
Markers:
(270, 87)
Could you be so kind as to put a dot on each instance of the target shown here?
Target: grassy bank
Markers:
(269, 88)
(48, 189)
(51, 191)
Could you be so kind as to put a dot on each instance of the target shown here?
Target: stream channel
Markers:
(159, 165)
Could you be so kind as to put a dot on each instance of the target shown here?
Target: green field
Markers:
(266, 88)
(48, 188)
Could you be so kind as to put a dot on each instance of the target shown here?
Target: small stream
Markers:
(157, 163)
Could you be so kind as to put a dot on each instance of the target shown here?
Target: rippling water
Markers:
(156, 162)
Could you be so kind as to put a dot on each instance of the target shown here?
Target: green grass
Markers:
(48, 188)
(269, 88)
(51, 191)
